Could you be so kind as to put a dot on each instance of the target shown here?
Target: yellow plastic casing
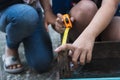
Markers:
(68, 25)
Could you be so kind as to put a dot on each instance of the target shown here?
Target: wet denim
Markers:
(22, 23)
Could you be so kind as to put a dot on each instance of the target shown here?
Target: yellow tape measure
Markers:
(68, 25)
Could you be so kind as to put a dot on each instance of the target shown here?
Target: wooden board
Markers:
(105, 63)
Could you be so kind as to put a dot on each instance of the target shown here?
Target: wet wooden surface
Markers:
(105, 62)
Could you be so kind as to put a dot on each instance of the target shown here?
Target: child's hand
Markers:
(59, 24)
(80, 50)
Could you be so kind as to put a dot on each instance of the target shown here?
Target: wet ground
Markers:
(28, 74)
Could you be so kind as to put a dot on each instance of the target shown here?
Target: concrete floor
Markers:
(28, 74)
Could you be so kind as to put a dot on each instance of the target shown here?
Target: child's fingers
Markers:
(60, 21)
(59, 27)
(60, 16)
(65, 47)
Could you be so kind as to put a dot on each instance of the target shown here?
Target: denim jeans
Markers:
(22, 23)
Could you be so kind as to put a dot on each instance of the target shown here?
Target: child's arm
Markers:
(102, 18)
(82, 47)
(50, 18)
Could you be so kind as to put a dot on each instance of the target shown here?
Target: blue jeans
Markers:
(22, 23)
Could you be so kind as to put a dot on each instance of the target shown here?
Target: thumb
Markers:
(46, 26)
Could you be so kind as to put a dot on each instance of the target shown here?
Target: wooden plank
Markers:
(105, 62)
(106, 50)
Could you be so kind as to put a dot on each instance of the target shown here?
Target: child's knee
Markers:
(23, 15)
(82, 9)
(22, 19)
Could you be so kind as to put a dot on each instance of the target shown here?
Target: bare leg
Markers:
(112, 32)
(83, 12)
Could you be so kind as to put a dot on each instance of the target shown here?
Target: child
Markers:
(22, 23)
(89, 22)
